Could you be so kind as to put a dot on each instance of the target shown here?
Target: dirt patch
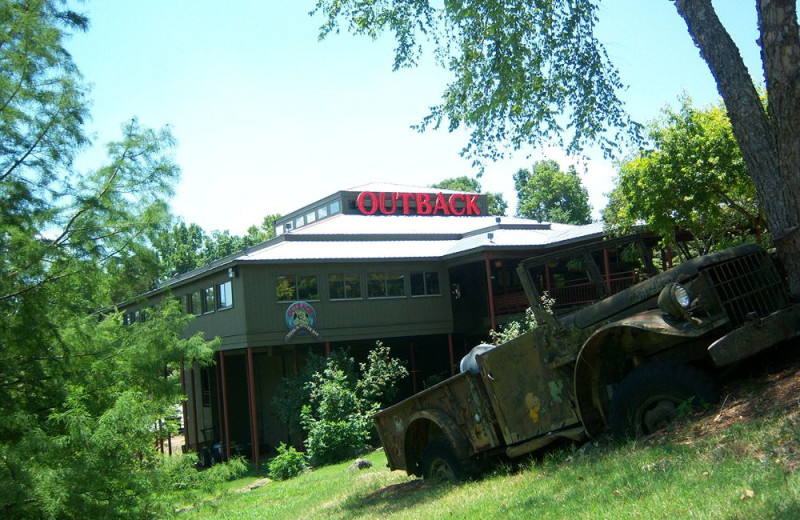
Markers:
(767, 387)
(176, 442)
(392, 492)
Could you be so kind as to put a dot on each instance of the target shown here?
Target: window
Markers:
(423, 284)
(323, 212)
(196, 303)
(385, 285)
(335, 207)
(311, 217)
(291, 288)
(224, 296)
(209, 300)
(344, 286)
(298, 222)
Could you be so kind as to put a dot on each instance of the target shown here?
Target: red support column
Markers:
(547, 280)
(251, 396)
(452, 354)
(327, 349)
(225, 406)
(194, 411)
(490, 289)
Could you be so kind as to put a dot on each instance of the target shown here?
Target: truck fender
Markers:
(426, 425)
(604, 357)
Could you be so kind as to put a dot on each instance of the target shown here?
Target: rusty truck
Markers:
(625, 364)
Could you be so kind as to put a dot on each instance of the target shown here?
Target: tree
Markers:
(180, 248)
(79, 391)
(183, 248)
(692, 178)
(525, 71)
(551, 195)
(497, 203)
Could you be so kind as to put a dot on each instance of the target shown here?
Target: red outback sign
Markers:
(370, 203)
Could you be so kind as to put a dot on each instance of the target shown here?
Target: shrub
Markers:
(335, 401)
(287, 463)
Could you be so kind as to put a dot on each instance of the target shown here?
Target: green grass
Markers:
(745, 466)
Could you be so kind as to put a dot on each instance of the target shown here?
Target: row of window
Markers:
(318, 214)
(349, 286)
(210, 299)
(215, 298)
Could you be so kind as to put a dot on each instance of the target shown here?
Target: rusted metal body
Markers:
(558, 380)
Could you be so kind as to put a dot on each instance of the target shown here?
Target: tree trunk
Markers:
(769, 143)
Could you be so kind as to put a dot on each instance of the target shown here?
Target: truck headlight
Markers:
(674, 300)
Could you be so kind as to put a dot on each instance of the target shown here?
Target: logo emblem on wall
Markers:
(300, 318)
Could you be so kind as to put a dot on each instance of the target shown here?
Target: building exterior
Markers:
(426, 271)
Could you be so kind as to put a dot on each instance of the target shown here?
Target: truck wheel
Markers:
(439, 462)
(651, 397)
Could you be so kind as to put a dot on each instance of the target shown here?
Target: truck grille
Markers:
(748, 284)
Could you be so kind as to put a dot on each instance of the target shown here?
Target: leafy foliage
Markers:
(335, 401)
(288, 463)
(692, 178)
(548, 194)
(79, 391)
(517, 328)
(497, 203)
(523, 72)
(183, 248)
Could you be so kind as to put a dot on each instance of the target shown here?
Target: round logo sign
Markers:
(300, 319)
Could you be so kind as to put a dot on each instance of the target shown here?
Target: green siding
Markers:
(340, 320)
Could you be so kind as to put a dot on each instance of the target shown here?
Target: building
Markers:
(426, 271)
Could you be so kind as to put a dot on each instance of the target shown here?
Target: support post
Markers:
(194, 410)
(490, 289)
(413, 370)
(225, 406)
(607, 269)
(547, 286)
(222, 436)
(452, 354)
(251, 394)
(187, 440)
(327, 349)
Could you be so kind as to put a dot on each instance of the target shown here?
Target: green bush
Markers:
(287, 463)
(336, 401)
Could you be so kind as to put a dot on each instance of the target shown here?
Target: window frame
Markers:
(220, 292)
(343, 281)
(212, 291)
(425, 289)
(386, 278)
(296, 288)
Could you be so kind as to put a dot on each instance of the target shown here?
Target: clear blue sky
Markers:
(268, 118)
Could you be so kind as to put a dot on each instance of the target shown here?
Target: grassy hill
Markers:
(740, 460)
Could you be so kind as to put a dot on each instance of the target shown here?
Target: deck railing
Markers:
(574, 292)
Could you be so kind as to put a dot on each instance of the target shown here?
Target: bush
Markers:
(336, 401)
(287, 463)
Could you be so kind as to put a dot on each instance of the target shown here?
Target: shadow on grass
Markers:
(395, 497)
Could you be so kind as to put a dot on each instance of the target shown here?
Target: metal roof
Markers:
(406, 238)
(352, 237)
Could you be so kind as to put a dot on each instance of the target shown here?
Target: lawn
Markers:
(739, 461)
